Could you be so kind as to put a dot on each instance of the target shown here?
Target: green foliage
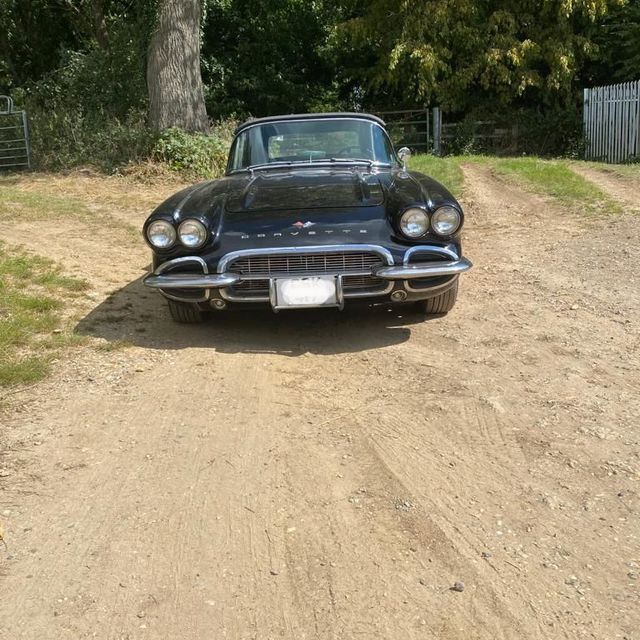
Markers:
(61, 140)
(264, 57)
(461, 54)
(447, 170)
(617, 57)
(551, 132)
(194, 154)
(32, 292)
(78, 66)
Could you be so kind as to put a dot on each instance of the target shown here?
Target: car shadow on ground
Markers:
(139, 316)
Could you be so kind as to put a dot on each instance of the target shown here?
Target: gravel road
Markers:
(334, 476)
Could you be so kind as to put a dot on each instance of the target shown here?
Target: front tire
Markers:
(442, 303)
(185, 312)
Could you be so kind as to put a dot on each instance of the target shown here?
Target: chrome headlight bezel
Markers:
(414, 222)
(446, 220)
(159, 229)
(192, 233)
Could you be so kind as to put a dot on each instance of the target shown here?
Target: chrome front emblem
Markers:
(301, 229)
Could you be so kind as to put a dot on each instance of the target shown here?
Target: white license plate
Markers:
(316, 291)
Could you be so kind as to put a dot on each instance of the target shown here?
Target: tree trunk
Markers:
(100, 24)
(176, 94)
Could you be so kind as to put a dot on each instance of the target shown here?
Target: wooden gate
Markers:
(612, 122)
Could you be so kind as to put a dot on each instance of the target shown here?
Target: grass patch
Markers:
(447, 170)
(32, 293)
(27, 205)
(556, 179)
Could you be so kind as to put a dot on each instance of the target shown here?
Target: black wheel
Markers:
(442, 303)
(184, 312)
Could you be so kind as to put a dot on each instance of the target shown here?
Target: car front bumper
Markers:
(188, 278)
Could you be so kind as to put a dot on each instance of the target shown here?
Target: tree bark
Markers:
(100, 24)
(176, 94)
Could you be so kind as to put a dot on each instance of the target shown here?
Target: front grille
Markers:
(363, 283)
(355, 267)
(301, 263)
(350, 284)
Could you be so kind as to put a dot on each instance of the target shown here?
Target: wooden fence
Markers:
(612, 122)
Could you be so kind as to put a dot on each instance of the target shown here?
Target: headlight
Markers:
(445, 221)
(161, 234)
(414, 222)
(192, 233)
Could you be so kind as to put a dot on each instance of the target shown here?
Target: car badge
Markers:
(302, 225)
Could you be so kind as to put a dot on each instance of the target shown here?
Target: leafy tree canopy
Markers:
(461, 53)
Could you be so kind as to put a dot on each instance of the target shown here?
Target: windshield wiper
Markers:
(351, 160)
(305, 163)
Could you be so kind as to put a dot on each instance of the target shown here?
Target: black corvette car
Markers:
(315, 210)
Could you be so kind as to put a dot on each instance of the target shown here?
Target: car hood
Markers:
(302, 189)
(302, 206)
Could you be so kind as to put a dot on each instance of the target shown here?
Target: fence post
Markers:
(586, 122)
(426, 120)
(437, 131)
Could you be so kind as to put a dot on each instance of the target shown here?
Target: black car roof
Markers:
(309, 116)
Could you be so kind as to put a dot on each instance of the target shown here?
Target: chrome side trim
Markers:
(410, 272)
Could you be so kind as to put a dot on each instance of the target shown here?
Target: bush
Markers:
(91, 110)
(546, 133)
(63, 140)
(195, 154)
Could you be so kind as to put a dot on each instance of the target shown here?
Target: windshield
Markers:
(308, 141)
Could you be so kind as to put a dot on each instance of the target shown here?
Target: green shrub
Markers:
(194, 154)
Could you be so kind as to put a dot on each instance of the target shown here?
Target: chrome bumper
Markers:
(191, 281)
(163, 277)
(411, 271)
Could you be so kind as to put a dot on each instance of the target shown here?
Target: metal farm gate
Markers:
(612, 122)
(15, 152)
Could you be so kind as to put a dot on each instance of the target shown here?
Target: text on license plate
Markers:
(306, 292)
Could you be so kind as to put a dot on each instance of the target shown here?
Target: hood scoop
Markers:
(315, 189)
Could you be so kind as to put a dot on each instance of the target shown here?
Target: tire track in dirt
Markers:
(620, 189)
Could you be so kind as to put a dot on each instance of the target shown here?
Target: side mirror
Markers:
(404, 154)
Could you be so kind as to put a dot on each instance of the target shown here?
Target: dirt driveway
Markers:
(332, 476)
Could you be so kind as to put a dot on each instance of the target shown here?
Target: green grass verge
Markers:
(447, 170)
(556, 179)
(32, 293)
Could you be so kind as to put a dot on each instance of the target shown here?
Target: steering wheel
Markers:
(366, 152)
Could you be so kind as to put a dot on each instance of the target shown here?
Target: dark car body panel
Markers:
(306, 206)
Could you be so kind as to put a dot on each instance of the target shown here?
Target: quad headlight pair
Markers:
(415, 222)
(161, 234)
